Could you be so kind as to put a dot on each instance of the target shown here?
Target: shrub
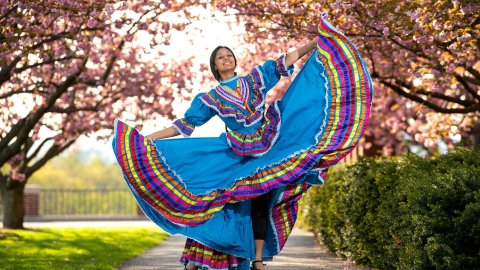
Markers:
(411, 213)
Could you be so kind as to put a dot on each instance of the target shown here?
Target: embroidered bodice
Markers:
(240, 103)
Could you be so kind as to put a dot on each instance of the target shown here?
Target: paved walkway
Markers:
(300, 253)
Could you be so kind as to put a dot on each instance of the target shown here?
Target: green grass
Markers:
(75, 248)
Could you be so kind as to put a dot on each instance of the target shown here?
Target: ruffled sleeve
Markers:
(197, 115)
(266, 76)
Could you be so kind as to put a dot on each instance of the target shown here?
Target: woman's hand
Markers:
(151, 137)
(164, 133)
(298, 53)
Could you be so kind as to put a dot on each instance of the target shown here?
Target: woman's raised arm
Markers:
(298, 53)
(164, 133)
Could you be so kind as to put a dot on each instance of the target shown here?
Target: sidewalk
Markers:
(300, 253)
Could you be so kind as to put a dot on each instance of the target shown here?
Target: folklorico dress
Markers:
(202, 187)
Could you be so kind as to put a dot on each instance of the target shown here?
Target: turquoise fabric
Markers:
(194, 159)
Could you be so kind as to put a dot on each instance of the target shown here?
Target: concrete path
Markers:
(300, 253)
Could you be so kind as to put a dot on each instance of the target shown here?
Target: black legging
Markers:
(259, 216)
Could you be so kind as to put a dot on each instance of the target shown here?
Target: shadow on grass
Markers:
(92, 248)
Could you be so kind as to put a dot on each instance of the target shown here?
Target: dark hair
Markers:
(216, 74)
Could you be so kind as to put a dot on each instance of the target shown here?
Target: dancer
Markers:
(212, 189)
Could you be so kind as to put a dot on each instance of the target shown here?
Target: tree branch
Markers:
(464, 103)
(471, 80)
(31, 119)
(18, 70)
(6, 70)
(12, 93)
(413, 97)
(475, 73)
(8, 12)
(467, 87)
(37, 150)
(51, 153)
(72, 109)
(12, 133)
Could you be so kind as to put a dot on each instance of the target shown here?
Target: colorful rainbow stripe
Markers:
(151, 178)
(216, 99)
(282, 67)
(184, 127)
(351, 88)
(256, 80)
(229, 94)
(284, 212)
(259, 142)
(201, 255)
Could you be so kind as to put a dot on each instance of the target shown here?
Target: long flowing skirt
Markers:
(200, 188)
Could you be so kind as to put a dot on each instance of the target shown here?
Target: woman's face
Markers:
(224, 60)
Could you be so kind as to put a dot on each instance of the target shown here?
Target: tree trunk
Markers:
(375, 150)
(474, 134)
(12, 202)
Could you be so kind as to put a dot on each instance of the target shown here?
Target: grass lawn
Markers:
(75, 248)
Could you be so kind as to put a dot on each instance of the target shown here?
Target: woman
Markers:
(212, 189)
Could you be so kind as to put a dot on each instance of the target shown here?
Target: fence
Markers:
(79, 202)
(352, 157)
(113, 201)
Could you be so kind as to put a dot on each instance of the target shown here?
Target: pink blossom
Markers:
(469, 8)
(386, 31)
(142, 26)
(128, 37)
(464, 38)
(450, 68)
(91, 23)
(299, 11)
(414, 15)
(109, 9)
(95, 13)
(15, 175)
(334, 6)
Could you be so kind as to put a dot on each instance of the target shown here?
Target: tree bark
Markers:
(375, 150)
(474, 134)
(13, 209)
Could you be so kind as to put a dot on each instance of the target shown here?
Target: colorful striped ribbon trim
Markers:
(183, 127)
(351, 88)
(259, 142)
(282, 68)
(284, 212)
(203, 256)
(218, 100)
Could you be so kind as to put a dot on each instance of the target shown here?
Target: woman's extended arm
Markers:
(298, 53)
(164, 133)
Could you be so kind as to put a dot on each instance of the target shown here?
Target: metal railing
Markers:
(111, 201)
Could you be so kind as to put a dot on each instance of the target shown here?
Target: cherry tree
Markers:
(423, 57)
(69, 68)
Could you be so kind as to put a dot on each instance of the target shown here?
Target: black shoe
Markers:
(253, 265)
